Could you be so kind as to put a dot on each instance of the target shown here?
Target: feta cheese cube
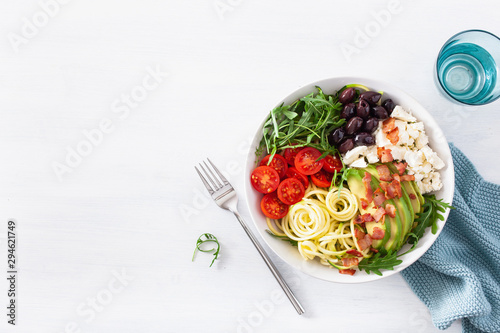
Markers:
(371, 154)
(397, 152)
(354, 154)
(381, 139)
(372, 158)
(421, 141)
(435, 161)
(426, 167)
(427, 151)
(419, 177)
(404, 139)
(359, 163)
(413, 132)
(402, 114)
(419, 126)
(414, 158)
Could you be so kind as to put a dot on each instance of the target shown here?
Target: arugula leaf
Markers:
(205, 238)
(345, 172)
(377, 262)
(429, 217)
(283, 238)
(307, 121)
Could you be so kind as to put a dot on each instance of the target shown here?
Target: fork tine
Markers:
(214, 177)
(215, 187)
(207, 185)
(224, 180)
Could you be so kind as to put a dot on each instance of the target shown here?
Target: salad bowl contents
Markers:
(344, 180)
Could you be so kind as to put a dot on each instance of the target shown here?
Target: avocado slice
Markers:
(410, 189)
(419, 196)
(403, 218)
(357, 187)
(405, 206)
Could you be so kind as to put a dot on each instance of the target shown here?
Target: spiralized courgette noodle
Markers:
(322, 224)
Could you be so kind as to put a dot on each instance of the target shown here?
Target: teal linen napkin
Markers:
(459, 276)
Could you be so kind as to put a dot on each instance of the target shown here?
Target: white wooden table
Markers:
(106, 107)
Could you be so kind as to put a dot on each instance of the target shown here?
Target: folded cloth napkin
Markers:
(459, 276)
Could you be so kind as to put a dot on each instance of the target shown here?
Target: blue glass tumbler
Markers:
(467, 67)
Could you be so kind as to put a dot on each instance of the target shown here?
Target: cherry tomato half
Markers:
(278, 163)
(272, 207)
(294, 173)
(291, 191)
(290, 154)
(306, 161)
(322, 178)
(264, 179)
(332, 163)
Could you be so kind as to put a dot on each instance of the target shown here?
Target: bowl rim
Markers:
(447, 193)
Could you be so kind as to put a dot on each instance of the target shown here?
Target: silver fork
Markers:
(225, 196)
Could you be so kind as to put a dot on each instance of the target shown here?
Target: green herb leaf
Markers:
(377, 262)
(429, 217)
(205, 238)
(283, 238)
(307, 121)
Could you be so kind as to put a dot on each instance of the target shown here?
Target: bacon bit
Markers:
(365, 243)
(390, 193)
(397, 187)
(378, 233)
(384, 186)
(374, 250)
(388, 125)
(367, 217)
(392, 190)
(379, 198)
(347, 271)
(368, 188)
(390, 210)
(384, 173)
(363, 218)
(354, 253)
(359, 234)
(385, 155)
(401, 167)
(396, 177)
(349, 262)
(407, 178)
(393, 136)
(412, 196)
(364, 203)
(379, 214)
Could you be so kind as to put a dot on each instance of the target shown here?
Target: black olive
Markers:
(372, 97)
(346, 145)
(363, 109)
(370, 125)
(380, 112)
(364, 139)
(389, 105)
(347, 96)
(348, 111)
(353, 125)
(336, 136)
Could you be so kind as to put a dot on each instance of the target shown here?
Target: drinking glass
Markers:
(467, 67)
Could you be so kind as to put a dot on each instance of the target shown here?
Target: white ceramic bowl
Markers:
(437, 142)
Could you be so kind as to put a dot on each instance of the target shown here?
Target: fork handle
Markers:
(274, 270)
